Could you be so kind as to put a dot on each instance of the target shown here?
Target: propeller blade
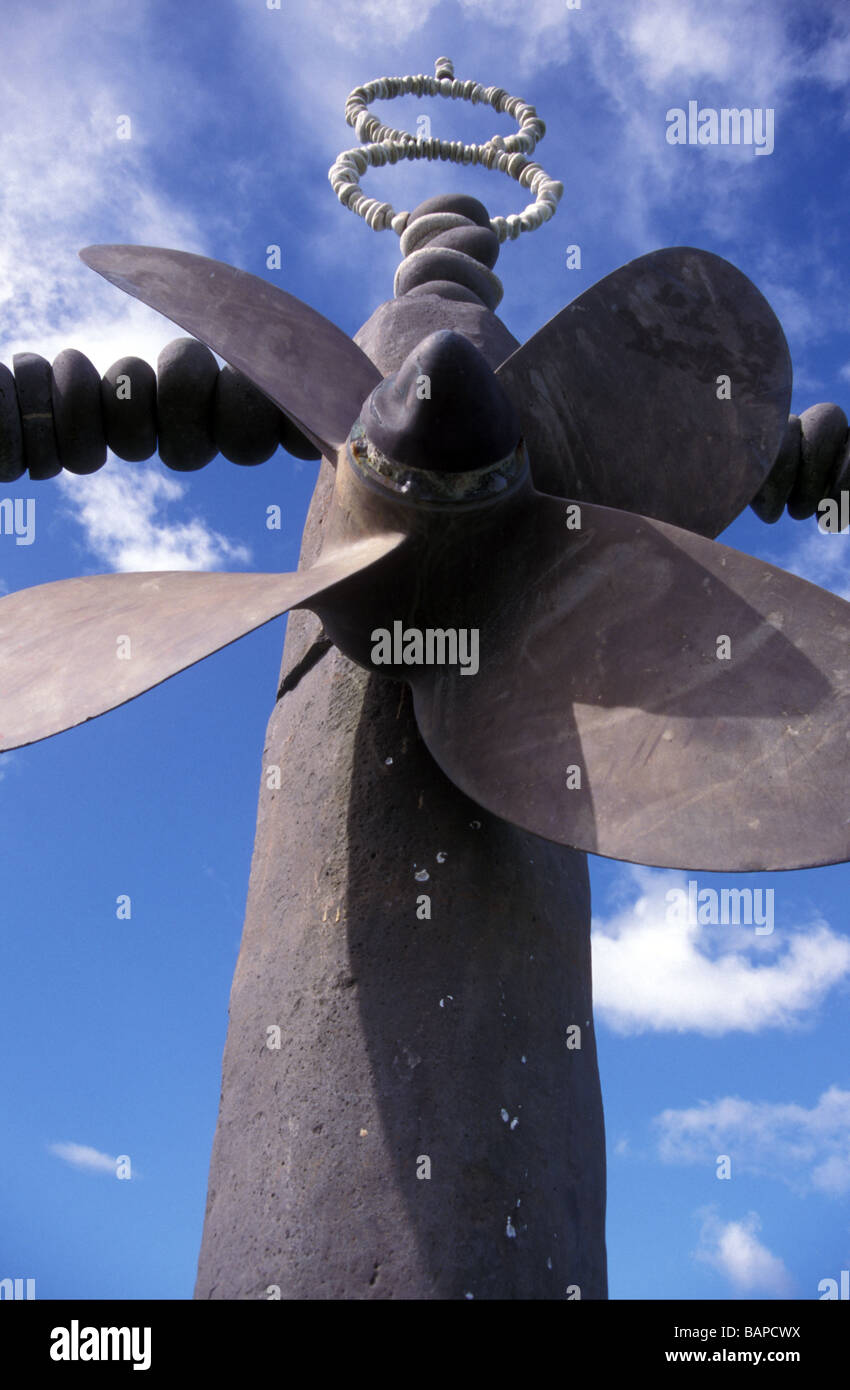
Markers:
(316, 375)
(702, 697)
(623, 400)
(73, 649)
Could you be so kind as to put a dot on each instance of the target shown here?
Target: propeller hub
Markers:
(443, 411)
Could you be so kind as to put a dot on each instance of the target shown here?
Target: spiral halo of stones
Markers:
(385, 145)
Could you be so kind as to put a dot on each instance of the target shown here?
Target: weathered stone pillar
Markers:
(409, 1045)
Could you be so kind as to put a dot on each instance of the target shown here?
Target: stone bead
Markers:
(245, 423)
(769, 502)
(478, 242)
(12, 460)
(446, 264)
(446, 289)
(454, 202)
(841, 481)
(294, 442)
(128, 403)
(77, 413)
(824, 433)
(187, 374)
(32, 382)
(421, 232)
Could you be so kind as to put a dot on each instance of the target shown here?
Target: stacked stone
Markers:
(449, 249)
(813, 465)
(67, 416)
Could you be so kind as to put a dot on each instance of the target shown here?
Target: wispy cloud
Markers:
(806, 1148)
(652, 974)
(83, 1156)
(823, 558)
(735, 1251)
(122, 510)
(69, 180)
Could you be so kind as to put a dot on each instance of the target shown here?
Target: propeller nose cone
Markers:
(444, 410)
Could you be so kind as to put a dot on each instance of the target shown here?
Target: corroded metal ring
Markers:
(424, 486)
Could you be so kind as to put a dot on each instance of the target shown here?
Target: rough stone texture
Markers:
(401, 1038)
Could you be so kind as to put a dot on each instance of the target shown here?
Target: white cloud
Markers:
(120, 510)
(808, 1148)
(734, 1250)
(823, 558)
(651, 974)
(603, 78)
(69, 181)
(83, 1156)
(682, 40)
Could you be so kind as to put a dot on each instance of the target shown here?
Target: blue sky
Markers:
(712, 1040)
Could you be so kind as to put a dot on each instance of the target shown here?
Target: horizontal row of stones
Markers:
(345, 172)
(812, 466)
(67, 415)
(369, 127)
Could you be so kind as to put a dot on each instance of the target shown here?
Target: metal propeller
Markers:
(73, 649)
(622, 394)
(648, 694)
(299, 359)
(639, 690)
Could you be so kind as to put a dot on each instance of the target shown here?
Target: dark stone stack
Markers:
(455, 263)
(446, 283)
(813, 465)
(67, 416)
